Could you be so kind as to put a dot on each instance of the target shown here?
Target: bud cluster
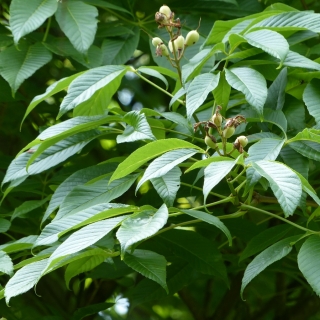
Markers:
(177, 43)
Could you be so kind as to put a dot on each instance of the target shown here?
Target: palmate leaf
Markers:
(311, 97)
(198, 91)
(148, 152)
(272, 254)
(78, 22)
(168, 185)
(251, 83)
(27, 16)
(269, 41)
(138, 128)
(141, 226)
(59, 227)
(284, 183)
(150, 264)
(308, 262)
(80, 177)
(165, 163)
(24, 279)
(6, 265)
(86, 85)
(82, 239)
(18, 65)
(210, 219)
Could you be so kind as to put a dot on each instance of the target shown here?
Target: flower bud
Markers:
(210, 142)
(192, 38)
(242, 140)
(217, 119)
(166, 11)
(156, 41)
(228, 132)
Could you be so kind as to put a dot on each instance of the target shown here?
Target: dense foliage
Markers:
(166, 156)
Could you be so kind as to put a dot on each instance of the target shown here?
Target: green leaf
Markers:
(311, 97)
(295, 161)
(138, 128)
(150, 264)
(92, 308)
(6, 265)
(4, 225)
(197, 250)
(222, 93)
(78, 22)
(264, 239)
(101, 191)
(27, 16)
(293, 20)
(198, 91)
(162, 165)
(284, 183)
(83, 265)
(178, 119)
(168, 185)
(154, 73)
(78, 178)
(86, 86)
(153, 149)
(272, 254)
(82, 239)
(19, 245)
(308, 261)
(210, 219)
(182, 91)
(141, 226)
(294, 59)
(269, 41)
(18, 65)
(119, 51)
(28, 206)
(251, 83)
(276, 92)
(60, 226)
(24, 279)
(56, 87)
(106, 5)
(214, 173)
(206, 162)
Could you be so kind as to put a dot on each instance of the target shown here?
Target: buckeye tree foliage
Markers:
(168, 154)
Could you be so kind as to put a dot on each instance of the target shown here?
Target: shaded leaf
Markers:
(91, 309)
(154, 73)
(6, 265)
(311, 97)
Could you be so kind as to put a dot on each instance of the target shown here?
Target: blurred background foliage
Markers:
(123, 37)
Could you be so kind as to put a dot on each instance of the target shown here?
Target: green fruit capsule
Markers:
(166, 11)
(170, 46)
(228, 132)
(192, 38)
(210, 143)
(242, 140)
(179, 43)
(217, 119)
(164, 50)
(156, 41)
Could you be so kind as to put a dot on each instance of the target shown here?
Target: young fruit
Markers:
(217, 119)
(242, 140)
(156, 41)
(192, 38)
(179, 43)
(166, 11)
(210, 142)
(228, 132)
(162, 50)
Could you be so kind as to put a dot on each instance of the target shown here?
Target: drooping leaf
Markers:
(251, 83)
(82, 239)
(4, 225)
(284, 183)
(311, 97)
(222, 93)
(272, 254)
(198, 91)
(141, 226)
(87, 85)
(154, 73)
(138, 128)
(148, 152)
(264, 239)
(19, 245)
(165, 163)
(294, 59)
(182, 91)
(27, 16)
(78, 22)
(18, 65)
(210, 219)
(150, 264)
(24, 279)
(269, 41)
(6, 265)
(295, 160)
(168, 185)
